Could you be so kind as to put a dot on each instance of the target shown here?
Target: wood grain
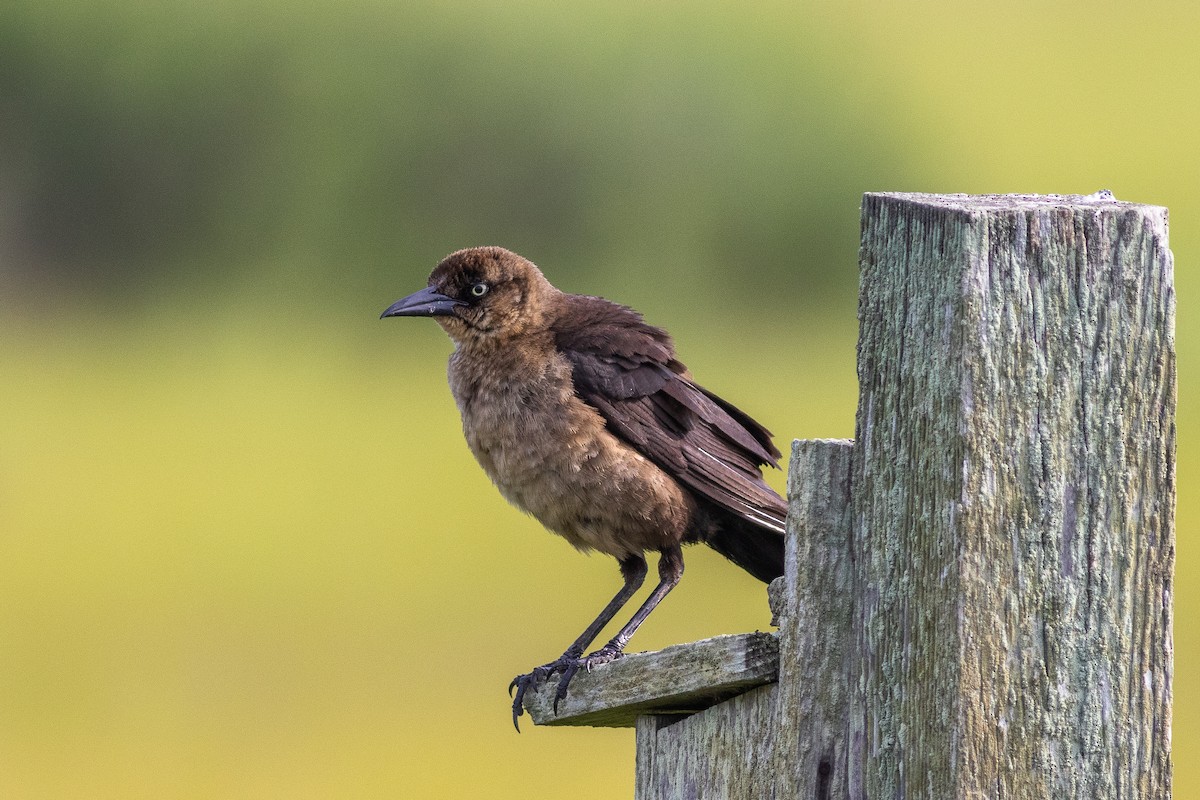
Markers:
(817, 654)
(1014, 494)
(682, 679)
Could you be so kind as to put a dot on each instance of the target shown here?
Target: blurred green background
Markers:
(246, 552)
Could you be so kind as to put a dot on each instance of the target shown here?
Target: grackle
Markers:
(582, 416)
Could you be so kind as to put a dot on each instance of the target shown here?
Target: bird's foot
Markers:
(523, 683)
(568, 664)
(610, 652)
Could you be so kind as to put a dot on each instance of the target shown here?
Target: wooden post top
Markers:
(1002, 202)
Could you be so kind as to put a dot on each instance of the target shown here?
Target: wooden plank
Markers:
(682, 679)
(721, 753)
(1014, 492)
(789, 740)
(817, 653)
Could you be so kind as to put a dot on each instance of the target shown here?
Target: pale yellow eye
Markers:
(479, 289)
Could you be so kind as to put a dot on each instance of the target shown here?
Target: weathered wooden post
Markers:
(978, 592)
(1014, 497)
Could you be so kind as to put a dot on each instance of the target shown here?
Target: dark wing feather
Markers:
(627, 371)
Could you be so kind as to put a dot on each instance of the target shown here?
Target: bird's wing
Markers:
(627, 371)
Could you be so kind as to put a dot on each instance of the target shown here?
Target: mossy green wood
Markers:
(1013, 497)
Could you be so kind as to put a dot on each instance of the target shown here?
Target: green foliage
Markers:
(147, 137)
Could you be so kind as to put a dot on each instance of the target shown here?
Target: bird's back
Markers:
(628, 371)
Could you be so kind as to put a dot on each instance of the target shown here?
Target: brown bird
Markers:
(582, 416)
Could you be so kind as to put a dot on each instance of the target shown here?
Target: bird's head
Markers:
(482, 294)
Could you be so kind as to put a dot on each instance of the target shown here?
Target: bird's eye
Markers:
(479, 289)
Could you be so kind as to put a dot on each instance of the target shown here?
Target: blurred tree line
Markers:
(147, 145)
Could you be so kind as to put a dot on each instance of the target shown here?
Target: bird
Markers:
(582, 415)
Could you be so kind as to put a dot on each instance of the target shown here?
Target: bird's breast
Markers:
(551, 455)
(528, 431)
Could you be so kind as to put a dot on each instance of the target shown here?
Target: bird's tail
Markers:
(757, 550)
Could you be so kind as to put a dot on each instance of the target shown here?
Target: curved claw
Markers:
(565, 681)
(604, 655)
(568, 664)
(521, 682)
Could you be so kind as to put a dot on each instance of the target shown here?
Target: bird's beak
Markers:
(425, 303)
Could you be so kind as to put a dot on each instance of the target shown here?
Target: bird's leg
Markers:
(670, 570)
(633, 570)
